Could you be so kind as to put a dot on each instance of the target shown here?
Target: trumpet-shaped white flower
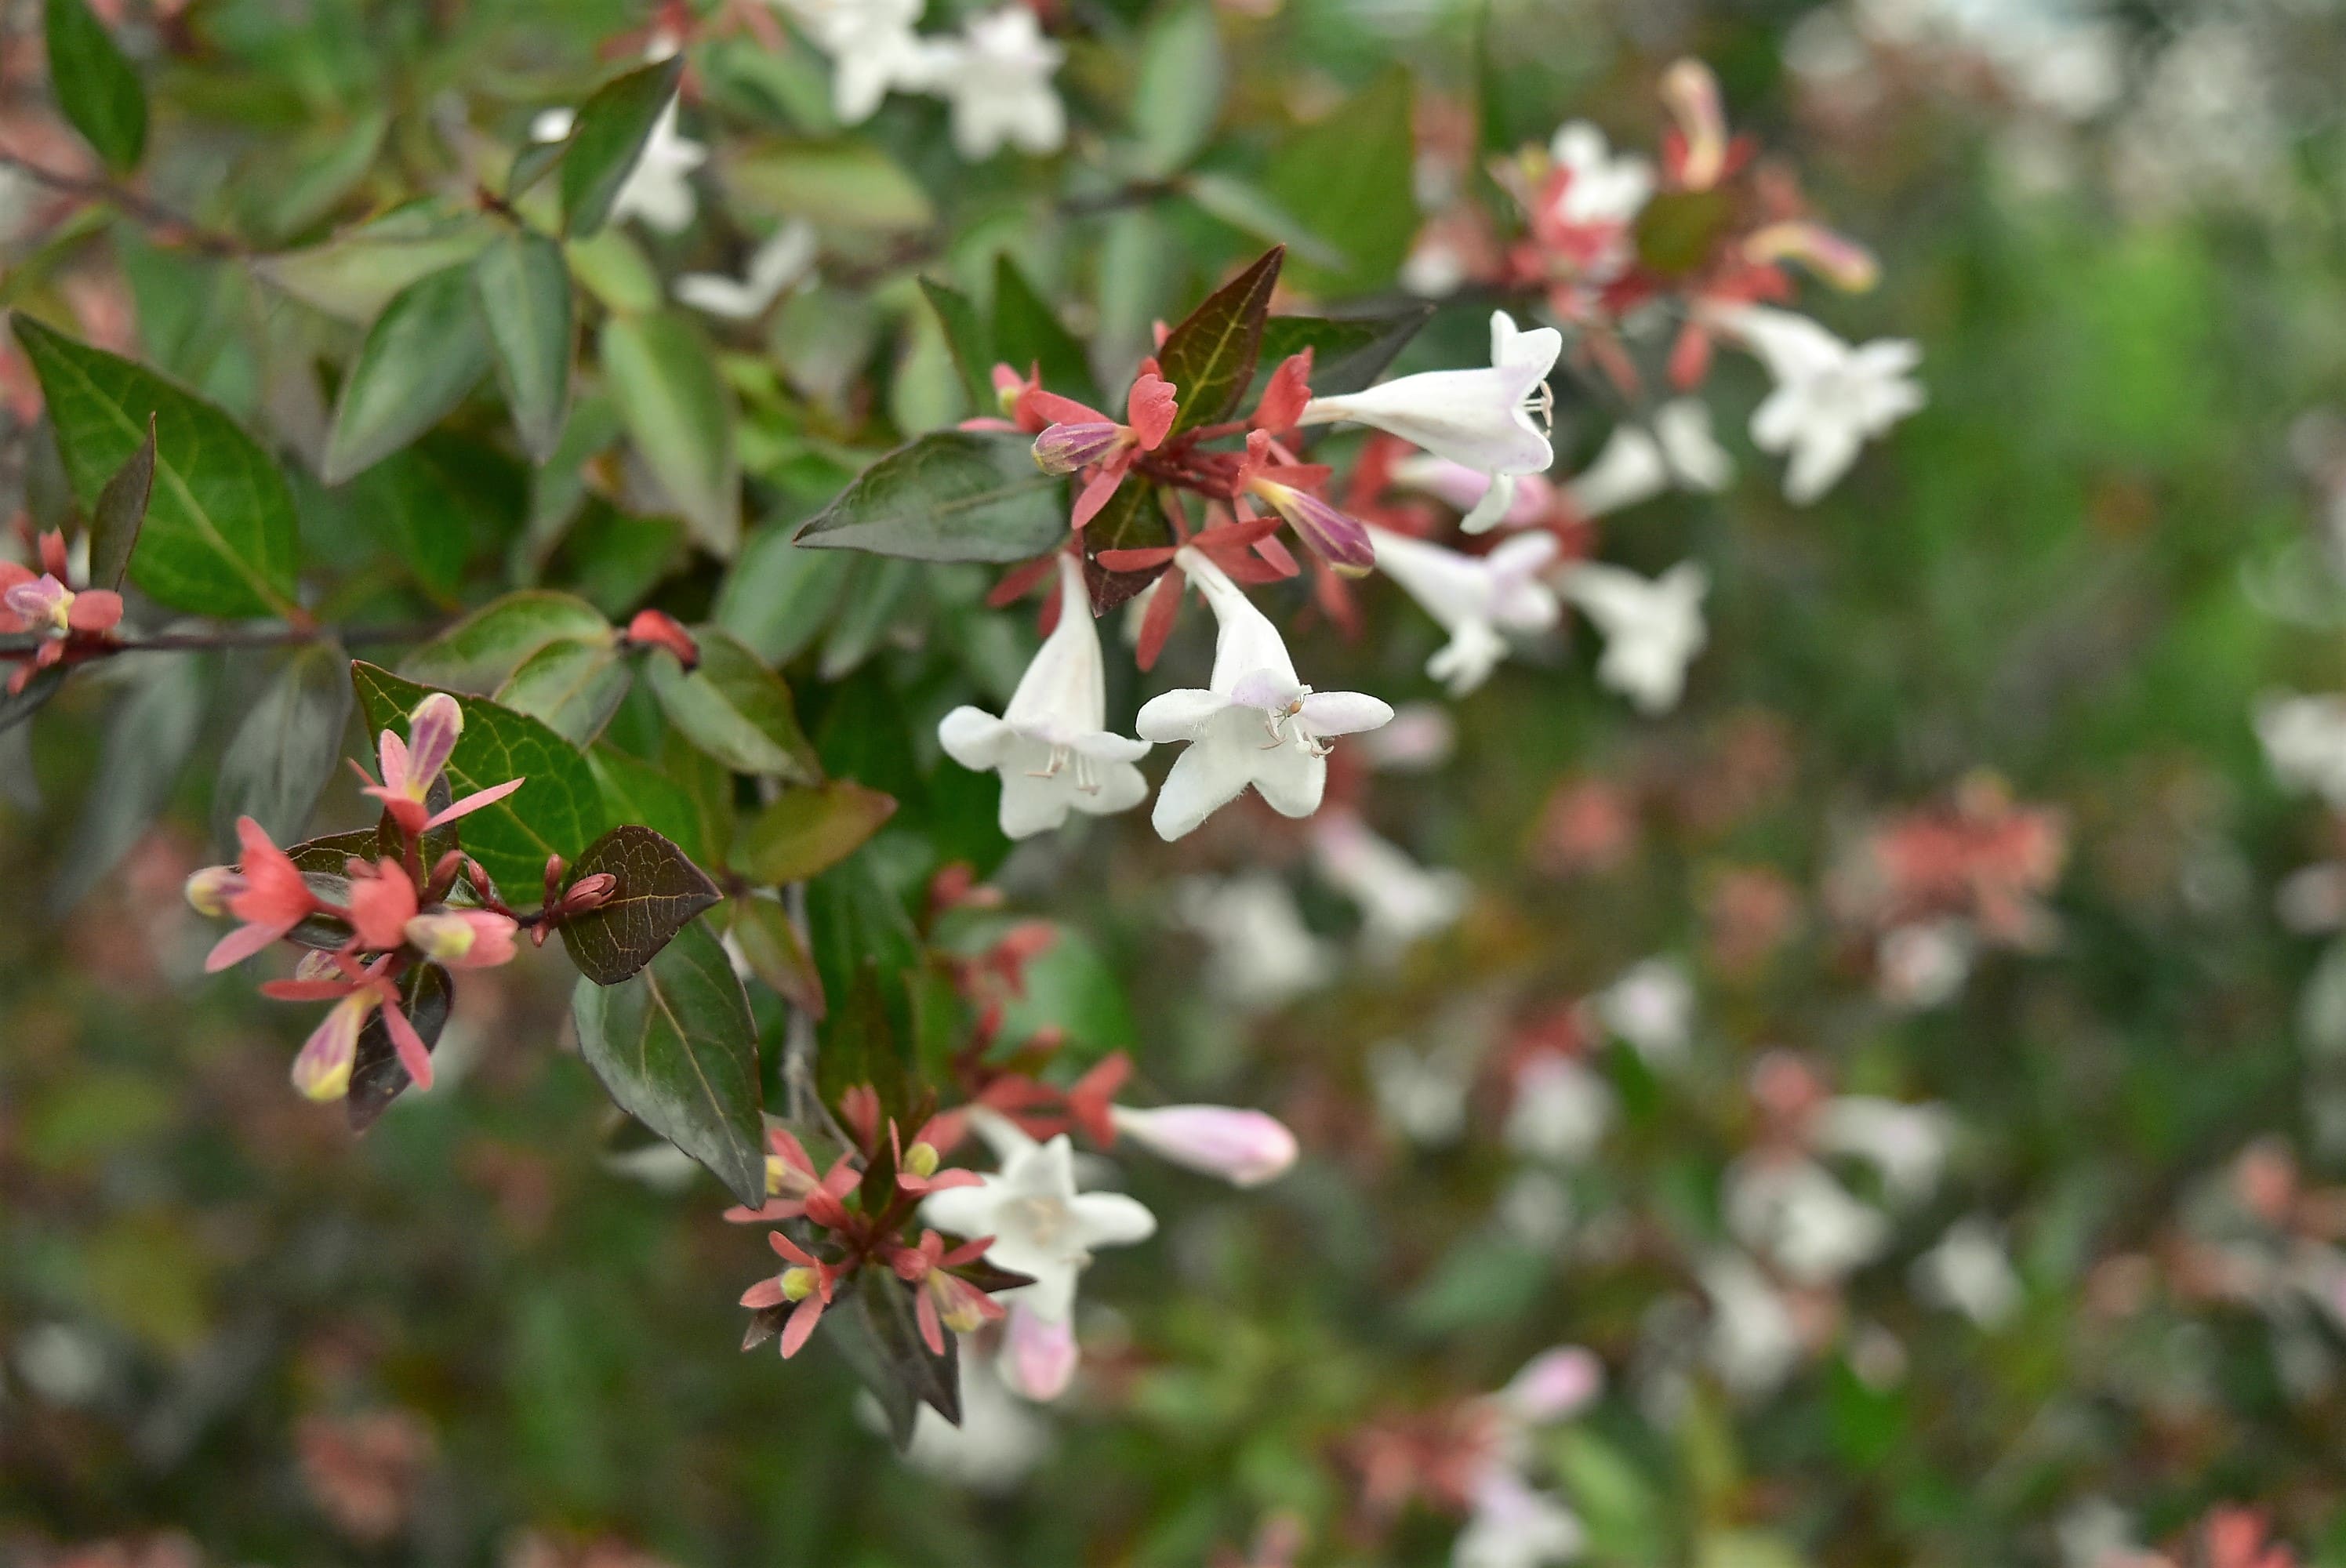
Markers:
(2305, 743)
(1830, 398)
(1257, 724)
(1652, 628)
(781, 261)
(1477, 599)
(1794, 1212)
(1400, 900)
(658, 188)
(1513, 1526)
(1493, 420)
(1244, 1147)
(997, 76)
(1603, 187)
(1969, 1271)
(1260, 953)
(1052, 745)
(1639, 463)
(1042, 1227)
(872, 49)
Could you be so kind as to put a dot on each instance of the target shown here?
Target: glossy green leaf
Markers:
(851, 185)
(559, 809)
(734, 708)
(952, 496)
(854, 924)
(608, 138)
(219, 537)
(120, 514)
(780, 594)
(659, 888)
(1028, 333)
(635, 790)
(807, 831)
(147, 741)
(426, 996)
(480, 653)
(877, 1332)
(573, 686)
(355, 274)
(1209, 357)
(1348, 178)
(95, 84)
(417, 513)
(422, 354)
(1348, 352)
(1133, 519)
(523, 286)
(968, 337)
(1180, 94)
(675, 1047)
(286, 746)
(663, 376)
(775, 954)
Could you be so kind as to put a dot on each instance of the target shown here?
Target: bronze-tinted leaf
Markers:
(881, 1338)
(425, 995)
(1133, 519)
(1209, 357)
(807, 831)
(659, 888)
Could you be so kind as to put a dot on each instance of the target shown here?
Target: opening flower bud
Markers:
(591, 893)
(1064, 448)
(447, 937)
(322, 1070)
(210, 890)
(798, 1283)
(921, 1159)
(1341, 541)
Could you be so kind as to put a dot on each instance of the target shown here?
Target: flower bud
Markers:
(432, 733)
(447, 937)
(921, 1159)
(1341, 541)
(590, 893)
(314, 964)
(1244, 1148)
(1064, 448)
(658, 629)
(1555, 1385)
(210, 890)
(322, 1070)
(798, 1283)
(1038, 1354)
(45, 605)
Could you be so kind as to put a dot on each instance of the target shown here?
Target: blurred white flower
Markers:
(1907, 1143)
(1421, 1097)
(1554, 1386)
(1638, 461)
(1477, 599)
(1513, 1526)
(658, 188)
(1651, 1006)
(1400, 900)
(1795, 1214)
(1421, 737)
(1968, 1272)
(999, 1442)
(1753, 1343)
(1603, 188)
(872, 49)
(1653, 627)
(776, 265)
(2305, 743)
(1924, 963)
(1561, 1109)
(997, 76)
(1244, 1147)
(1260, 953)
(1829, 400)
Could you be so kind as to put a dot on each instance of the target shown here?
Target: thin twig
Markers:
(153, 214)
(19, 646)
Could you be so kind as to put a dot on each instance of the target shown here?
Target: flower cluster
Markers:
(996, 72)
(63, 619)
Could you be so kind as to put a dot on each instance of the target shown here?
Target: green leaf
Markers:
(1027, 333)
(972, 343)
(1209, 357)
(675, 1047)
(95, 85)
(807, 831)
(659, 888)
(522, 285)
(147, 740)
(219, 538)
(770, 944)
(1244, 205)
(1133, 519)
(635, 791)
(854, 924)
(734, 708)
(573, 686)
(286, 746)
(608, 138)
(851, 184)
(481, 652)
(426, 994)
(880, 1338)
(662, 374)
(356, 273)
(778, 595)
(17, 706)
(416, 512)
(422, 354)
(558, 812)
(952, 496)
(1348, 352)
(1180, 94)
(120, 512)
(1348, 180)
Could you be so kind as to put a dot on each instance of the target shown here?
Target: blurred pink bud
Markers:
(1555, 1385)
(322, 1070)
(1039, 1354)
(210, 890)
(44, 604)
(658, 629)
(468, 939)
(1244, 1148)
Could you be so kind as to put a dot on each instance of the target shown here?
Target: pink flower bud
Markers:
(45, 605)
(210, 890)
(322, 1070)
(658, 629)
(1064, 448)
(469, 939)
(1244, 1148)
(1555, 1385)
(1038, 1356)
(432, 732)
(1341, 541)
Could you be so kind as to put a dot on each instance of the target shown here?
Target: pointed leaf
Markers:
(952, 496)
(1244, 205)
(481, 652)
(676, 1049)
(608, 138)
(573, 686)
(147, 740)
(635, 791)
(288, 746)
(770, 944)
(1209, 357)
(881, 1338)
(1348, 352)
(972, 343)
(1133, 519)
(121, 510)
(778, 595)
(659, 890)
(422, 354)
(1346, 178)
(1027, 333)
(523, 286)
(95, 85)
(353, 276)
(807, 831)
(734, 708)
(852, 185)
(426, 994)
(558, 812)
(1179, 91)
(219, 536)
(680, 414)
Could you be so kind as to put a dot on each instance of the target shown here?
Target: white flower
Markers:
(1513, 1526)
(1042, 1226)
(1602, 188)
(1561, 1110)
(1829, 400)
(1423, 1099)
(657, 189)
(1637, 463)
(873, 48)
(1795, 1212)
(774, 266)
(1907, 1143)
(1257, 724)
(1753, 1341)
(1478, 598)
(1652, 1007)
(1400, 900)
(1492, 421)
(1924, 963)
(999, 1441)
(1969, 1273)
(1259, 953)
(2305, 743)
(1052, 745)
(1653, 628)
(998, 77)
